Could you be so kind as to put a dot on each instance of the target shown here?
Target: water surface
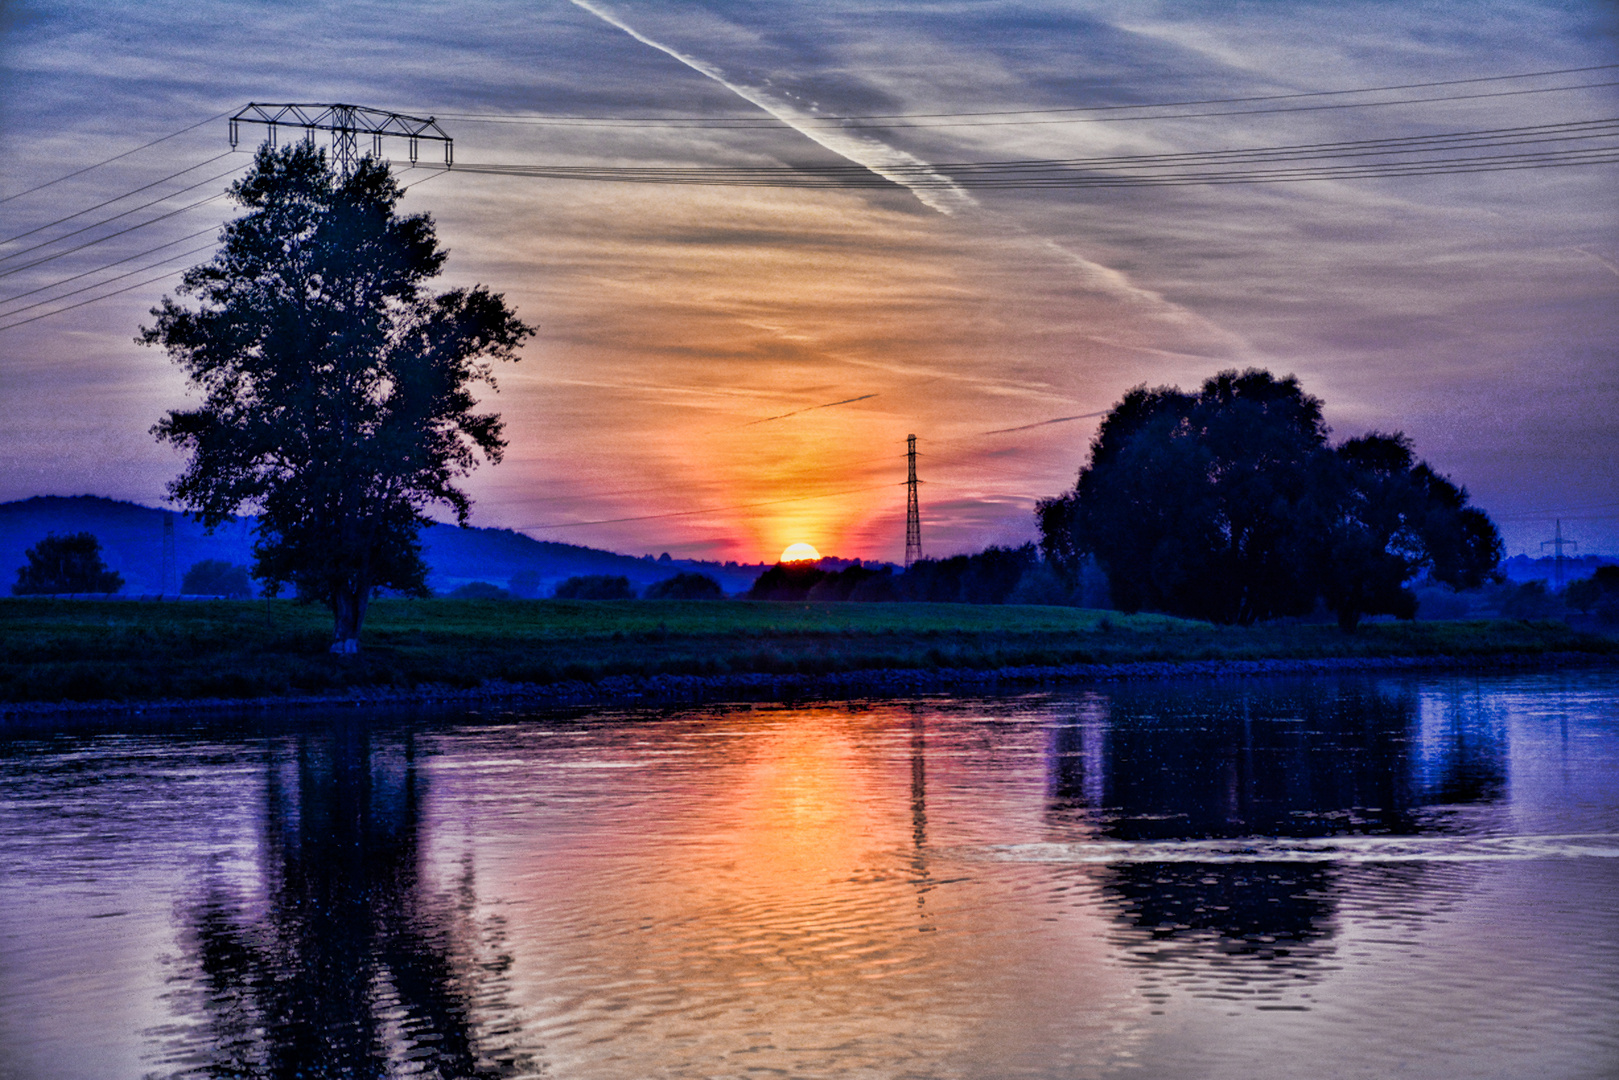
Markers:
(1358, 877)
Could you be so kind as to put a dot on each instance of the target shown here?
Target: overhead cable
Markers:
(101, 284)
(1526, 147)
(118, 198)
(92, 300)
(106, 266)
(1076, 113)
(110, 236)
(115, 157)
(121, 214)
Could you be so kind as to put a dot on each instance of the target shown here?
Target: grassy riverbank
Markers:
(53, 651)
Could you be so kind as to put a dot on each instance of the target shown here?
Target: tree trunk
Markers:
(1348, 619)
(348, 612)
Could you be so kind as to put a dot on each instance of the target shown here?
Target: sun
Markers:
(800, 552)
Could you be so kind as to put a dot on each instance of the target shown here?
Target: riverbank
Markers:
(71, 656)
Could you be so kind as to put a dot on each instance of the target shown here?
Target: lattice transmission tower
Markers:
(346, 123)
(1557, 544)
(913, 511)
(169, 572)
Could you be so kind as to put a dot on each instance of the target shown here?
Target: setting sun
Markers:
(800, 552)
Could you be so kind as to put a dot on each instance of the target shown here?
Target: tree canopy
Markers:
(66, 564)
(217, 577)
(337, 390)
(595, 587)
(1229, 505)
(685, 586)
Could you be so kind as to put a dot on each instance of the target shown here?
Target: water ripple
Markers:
(1349, 849)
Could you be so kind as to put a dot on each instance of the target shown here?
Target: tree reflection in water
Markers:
(347, 964)
(1300, 760)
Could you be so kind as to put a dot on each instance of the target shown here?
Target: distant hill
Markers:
(131, 538)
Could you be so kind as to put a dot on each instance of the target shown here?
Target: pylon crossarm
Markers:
(346, 123)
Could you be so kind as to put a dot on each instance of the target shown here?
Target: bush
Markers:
(1439, 602)
(479, 590)
(596, 587)
(686, 586)
(1599, 592)
(989, 577)
(525, 584)
(1528, 601)
(216, 577)
(854, 583)
(1040, 584)
(786, 581)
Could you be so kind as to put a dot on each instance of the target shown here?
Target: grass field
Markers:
(58, 650)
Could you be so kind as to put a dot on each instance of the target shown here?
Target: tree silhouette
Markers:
(66, 564)
(337, 391)
(1229, 505)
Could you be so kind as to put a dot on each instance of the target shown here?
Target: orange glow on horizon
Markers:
(800, 552)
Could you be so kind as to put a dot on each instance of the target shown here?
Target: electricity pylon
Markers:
(913, 512)
(1558, 544)
(346, 123)
(169, 585)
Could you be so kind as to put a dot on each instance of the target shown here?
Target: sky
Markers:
(720, 370)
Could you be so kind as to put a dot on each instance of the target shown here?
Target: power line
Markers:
(1402, 156)
(115, 157)
(92, 300)
(120, 214)
(813, 121)
(100, 284)
(106, 266)
(140, 254)
(110, 236)
(117, 198)
(754, 121)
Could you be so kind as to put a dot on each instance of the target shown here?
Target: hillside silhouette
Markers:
(131, 538)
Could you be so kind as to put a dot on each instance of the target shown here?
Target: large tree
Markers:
(337, 390)
(1199, 504)
(1229, 505)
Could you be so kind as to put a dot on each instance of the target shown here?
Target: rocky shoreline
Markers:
(668, 690)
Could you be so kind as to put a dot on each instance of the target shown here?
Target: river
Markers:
(1347, 877)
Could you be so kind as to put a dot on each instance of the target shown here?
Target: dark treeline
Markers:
(996, 575)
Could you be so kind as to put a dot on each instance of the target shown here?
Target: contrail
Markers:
(1044, 423)
(941, 194)
(812, 408)
(1612, 269)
